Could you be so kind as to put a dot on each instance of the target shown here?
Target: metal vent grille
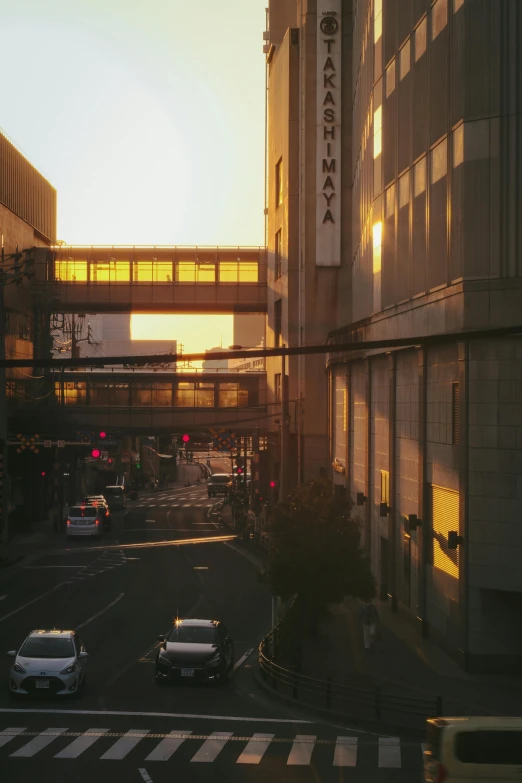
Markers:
(455, 412)
(445, 517)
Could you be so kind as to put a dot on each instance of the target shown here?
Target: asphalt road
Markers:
(120, 594)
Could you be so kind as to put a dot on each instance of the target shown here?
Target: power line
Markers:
(330, 347)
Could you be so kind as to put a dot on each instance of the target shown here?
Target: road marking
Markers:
(212, 747)
(32, 747)
(77, 746)
(102, 611)
(242, 659)
(38, 598)
(150, 520)
(8, 734)
(164, 750)
(200, 568)
(145, 775)
(255, 749)
(345, 754)
(302, 749)
(389, 752)
(125, 744)
(56, 566)
(133, 714)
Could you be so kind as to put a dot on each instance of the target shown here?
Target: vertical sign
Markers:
(328, 181)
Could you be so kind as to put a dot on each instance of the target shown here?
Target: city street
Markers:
(119, 594)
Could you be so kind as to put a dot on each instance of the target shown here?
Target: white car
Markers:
(85, 520)
(49, 661)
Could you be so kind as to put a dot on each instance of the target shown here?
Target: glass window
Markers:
(71, 270)
(143, 271)
(377, 132)
(439, 161)
(340, 416)
(205, 395)
(186, 271)
(377, 20)
(439, 17)
(405, 57)
(47, 647)
(390, 201)
(74, 392)
(162, 271)
(458, 145)
(419, 177)
(377, 250)
(184, 395)
(206, 273)
(248, 272)
(110, 271)
(228, 395)
(420, 40)
(494, 746)
(404, 189)
(162, 395)
(193, 634)
(279, 182)
(118, 393)
(277, 254)
(390, 78)
(142, 394)
(278, 322)
(196, 272)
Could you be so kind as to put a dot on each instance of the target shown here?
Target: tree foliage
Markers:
(317, 549)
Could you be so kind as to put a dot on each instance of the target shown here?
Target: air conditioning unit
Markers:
(266, 48)
(266, 35)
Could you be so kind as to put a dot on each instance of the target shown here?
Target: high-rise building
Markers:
(395, 211)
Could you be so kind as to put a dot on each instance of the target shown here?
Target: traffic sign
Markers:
(48, 444)
(224, 441)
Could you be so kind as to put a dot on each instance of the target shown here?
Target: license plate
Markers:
(42, 683)
(187, 672)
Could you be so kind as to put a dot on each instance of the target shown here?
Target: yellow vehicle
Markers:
(473, 750)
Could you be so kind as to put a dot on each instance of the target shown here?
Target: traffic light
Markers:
(272, 484)
(43, 473)
(110, 461)
(186, 438)
(239, 471)
(96, 453)
(102, 435)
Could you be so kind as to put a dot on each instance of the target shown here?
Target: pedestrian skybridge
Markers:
(145, 401)
(153, 279)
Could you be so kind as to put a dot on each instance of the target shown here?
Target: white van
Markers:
(473, 750)
(84, 520)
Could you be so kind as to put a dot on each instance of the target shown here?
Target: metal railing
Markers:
(354, 703)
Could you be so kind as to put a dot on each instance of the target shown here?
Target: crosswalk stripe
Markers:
(32, 747)
(302, 748)
(77, 746)
(8, 734)
(164, 750)
(345, 754)
(255, 749)
(212, 746)
(389, 752)
(125, 744)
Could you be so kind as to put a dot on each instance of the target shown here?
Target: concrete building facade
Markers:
(425, 440)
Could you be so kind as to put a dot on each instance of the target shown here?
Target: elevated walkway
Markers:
(152, 279)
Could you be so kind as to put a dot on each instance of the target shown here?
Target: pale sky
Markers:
(196, 332)
(146, 115)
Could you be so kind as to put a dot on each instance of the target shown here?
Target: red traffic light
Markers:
(43, 473)
(239, 471)
(185, 438)
(272, 483)
(103, 435)
(96, 453)
(110, 461)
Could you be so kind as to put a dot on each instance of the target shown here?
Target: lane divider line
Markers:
(98, 614)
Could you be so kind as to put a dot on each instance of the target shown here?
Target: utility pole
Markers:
(283, 467)
(4, 513)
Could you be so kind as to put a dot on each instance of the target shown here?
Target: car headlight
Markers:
(215, 661)
(19, 669)
(69, 669)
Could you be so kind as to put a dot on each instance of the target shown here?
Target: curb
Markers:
(361, 724)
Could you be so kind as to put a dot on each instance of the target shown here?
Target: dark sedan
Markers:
(195, 650)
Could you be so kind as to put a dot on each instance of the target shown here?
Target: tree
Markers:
(317, 553)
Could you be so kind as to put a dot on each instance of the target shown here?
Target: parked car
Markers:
(49, 661)
(115, 498)
(85, 520)
(479, 749)
(195, 650)
(218, 484)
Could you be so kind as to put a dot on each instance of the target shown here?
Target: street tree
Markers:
(317, 555)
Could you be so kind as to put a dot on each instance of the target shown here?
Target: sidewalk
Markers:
(403, 664)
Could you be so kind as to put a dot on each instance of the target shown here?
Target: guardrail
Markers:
(354, 703)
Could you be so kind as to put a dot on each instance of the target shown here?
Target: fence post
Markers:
(328, 692)
(378, 702)
(439, 706)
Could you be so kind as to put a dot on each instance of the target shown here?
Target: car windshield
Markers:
(193, 634)
(82, 511)
(47, 647)
(220, 479)
(114, 491)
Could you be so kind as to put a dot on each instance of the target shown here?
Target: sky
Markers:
(147, 116)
